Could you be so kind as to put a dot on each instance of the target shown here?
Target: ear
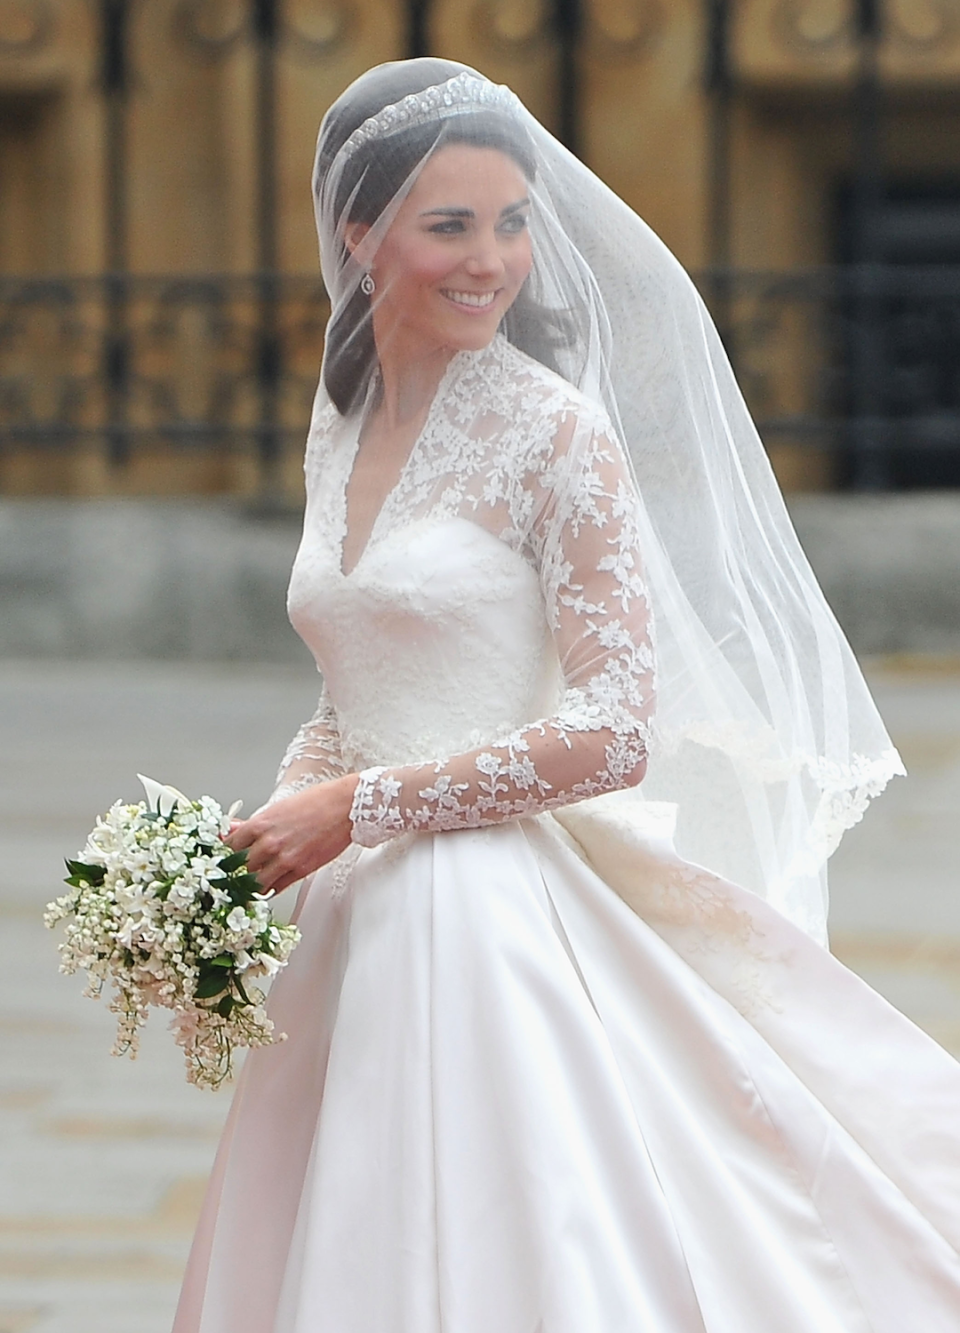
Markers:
(354, 234)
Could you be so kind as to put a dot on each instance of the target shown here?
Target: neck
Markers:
(410, 371)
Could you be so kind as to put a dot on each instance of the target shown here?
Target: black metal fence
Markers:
(204, 362)
(861, 360)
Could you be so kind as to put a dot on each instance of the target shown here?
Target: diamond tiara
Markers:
(463, 90)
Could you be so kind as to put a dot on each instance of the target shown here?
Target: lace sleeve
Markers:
(313, 755)
(584, 539)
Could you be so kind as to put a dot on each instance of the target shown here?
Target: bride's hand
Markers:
(293, 837)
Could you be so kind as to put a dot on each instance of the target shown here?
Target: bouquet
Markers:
(161, 906)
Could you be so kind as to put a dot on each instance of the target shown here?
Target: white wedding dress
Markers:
(543, 1075)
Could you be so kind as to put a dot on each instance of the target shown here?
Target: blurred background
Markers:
(161, 322)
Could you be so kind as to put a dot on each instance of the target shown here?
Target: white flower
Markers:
(153, 947)
(203, 866)
(183, 891)
(138, 863)
(219, 896)
(238, 921)
(260, 914)
(173, 860)
(161, 798)
(269, 965)
(184, 1024)
(127, 933)
(135, 898)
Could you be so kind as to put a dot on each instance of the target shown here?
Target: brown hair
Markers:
(372, 177)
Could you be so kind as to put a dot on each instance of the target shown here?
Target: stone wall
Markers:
(120, 579)
(205, 581)
(890, 566)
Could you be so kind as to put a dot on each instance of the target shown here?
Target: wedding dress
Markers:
(565, 1052)
(507, 1100)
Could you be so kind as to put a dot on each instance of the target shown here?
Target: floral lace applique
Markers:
(313, 755)
(511, 447)
(514, 439)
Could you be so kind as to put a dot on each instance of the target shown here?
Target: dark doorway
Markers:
(912, 237)
(32, 201)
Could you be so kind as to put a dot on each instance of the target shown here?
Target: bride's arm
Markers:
(306, 822)
(313, 755)
(585, 540)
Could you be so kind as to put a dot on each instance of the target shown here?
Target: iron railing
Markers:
(861, 362)
(190, 362)
(857, 361)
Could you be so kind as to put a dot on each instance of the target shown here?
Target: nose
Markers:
(485, 259)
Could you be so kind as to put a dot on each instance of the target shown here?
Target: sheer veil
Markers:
(765, 736)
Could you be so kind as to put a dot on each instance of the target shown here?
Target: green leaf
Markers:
(242, 888)
(233, 861)
(225, 1006)
(94, 875)
(244, 997)
(211, 983)
(222, 960)
(247, 881)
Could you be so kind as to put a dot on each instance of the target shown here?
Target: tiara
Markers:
(463, 90)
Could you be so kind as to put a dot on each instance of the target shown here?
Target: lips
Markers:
(478, 300)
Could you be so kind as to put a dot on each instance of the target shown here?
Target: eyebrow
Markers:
(468, 212)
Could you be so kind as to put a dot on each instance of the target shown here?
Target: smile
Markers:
(480, 300)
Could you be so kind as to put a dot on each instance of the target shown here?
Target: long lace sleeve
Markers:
(583, 537)
(313, 755)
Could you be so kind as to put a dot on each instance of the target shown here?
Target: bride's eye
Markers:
(449, 227)
(514, 224)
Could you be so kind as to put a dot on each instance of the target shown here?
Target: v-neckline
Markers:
(350, 463)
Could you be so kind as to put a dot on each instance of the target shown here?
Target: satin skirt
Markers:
(507, 1103)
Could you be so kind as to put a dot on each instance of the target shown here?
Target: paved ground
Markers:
(102, 1162)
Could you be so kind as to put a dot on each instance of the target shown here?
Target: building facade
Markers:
(160, 312)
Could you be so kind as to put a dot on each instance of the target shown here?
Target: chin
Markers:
(476, 337)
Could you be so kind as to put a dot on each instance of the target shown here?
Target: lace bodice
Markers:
(490, 653)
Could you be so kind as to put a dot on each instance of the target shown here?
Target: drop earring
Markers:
(367, 284)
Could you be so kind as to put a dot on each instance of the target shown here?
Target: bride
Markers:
(566, 1052)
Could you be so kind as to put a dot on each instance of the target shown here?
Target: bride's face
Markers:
(457, 253)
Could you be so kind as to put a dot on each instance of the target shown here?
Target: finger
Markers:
(285, 881)
(240, 836)
(265, 873)
(271, 847)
